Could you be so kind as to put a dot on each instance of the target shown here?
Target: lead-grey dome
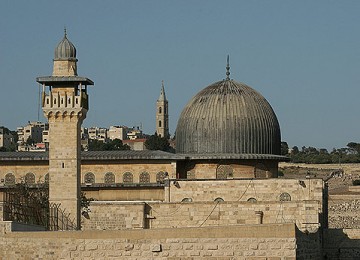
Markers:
(228, 117)
(65, 50)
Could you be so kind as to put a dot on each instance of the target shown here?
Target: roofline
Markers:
(49, 80)
(140, 155)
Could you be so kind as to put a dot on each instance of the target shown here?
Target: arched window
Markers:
(224, 171)
(109, 178)
(160, 177)
(128, 177)
(30, 178)
(160, 110)
(46, 178)
(144, 177)
(252, 200)
(89, 178)
(285, 197)
(159, 123)
(219, 200)
(9, 179)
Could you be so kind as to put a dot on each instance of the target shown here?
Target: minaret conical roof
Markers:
(65, 50)
(162, 96)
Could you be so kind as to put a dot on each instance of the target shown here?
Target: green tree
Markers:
(30, 141)
(354, 147)
(155, 142)
(294, 150)
(284, 148)
(113, 145)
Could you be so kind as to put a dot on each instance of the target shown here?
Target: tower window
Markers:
(159, 123)
(160, 110)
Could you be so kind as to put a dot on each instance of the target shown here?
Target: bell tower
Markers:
(162, 114)
(65, 104)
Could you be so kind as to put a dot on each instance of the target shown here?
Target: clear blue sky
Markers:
(302, 56)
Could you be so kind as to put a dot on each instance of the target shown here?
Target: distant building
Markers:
(98, 133)
(6, 138)
(33, 132)
(135, 133)
(118, 132)
(136, 144)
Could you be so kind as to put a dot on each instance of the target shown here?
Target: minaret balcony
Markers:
(55, 100)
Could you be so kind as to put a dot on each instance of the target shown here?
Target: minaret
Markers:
(65, 104)
(162, 114)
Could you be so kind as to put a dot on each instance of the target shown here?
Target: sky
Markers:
(302, 56)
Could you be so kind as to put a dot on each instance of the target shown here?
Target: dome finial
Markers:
(227, 69)
(65, 34)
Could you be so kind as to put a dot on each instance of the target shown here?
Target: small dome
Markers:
(65, 50)
(228, 117)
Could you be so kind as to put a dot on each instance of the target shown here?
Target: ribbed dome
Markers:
(228, 117)
(65, 50)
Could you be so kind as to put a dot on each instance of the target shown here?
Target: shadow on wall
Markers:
(341, 244)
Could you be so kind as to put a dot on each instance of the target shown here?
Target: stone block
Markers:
(156, 248)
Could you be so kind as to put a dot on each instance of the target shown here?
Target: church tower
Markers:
(162, 114)
(65, 104)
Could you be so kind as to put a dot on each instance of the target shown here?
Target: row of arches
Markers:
(127, 177)
(283, 197)
(109, 178)
(29, 178)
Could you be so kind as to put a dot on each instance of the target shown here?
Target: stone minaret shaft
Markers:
(65, 104)
(162, 114)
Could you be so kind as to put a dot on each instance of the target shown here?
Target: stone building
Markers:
(218, 197)
(162, 114)
(6, 138)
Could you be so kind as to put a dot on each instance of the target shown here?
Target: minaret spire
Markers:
(227, 69)
(162, 96)
(162, 114)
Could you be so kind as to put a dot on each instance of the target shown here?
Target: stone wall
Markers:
(342, 244)
(277, 241)
(153, 215)
(308, 245)
(114, 216)
(344, 214)
(242, 190)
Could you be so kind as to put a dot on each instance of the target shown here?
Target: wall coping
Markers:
(285, 230)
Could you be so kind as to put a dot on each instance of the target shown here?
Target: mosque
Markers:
(223, 177)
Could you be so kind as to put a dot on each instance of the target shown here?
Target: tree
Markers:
(295, 150)
(113, 145)
(155, 142)
(30, 141)
(354, 147)
(284, 148)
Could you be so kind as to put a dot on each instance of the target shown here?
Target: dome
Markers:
(65, 50)
(228, 117)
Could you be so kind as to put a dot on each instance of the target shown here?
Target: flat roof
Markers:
(49, 80)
